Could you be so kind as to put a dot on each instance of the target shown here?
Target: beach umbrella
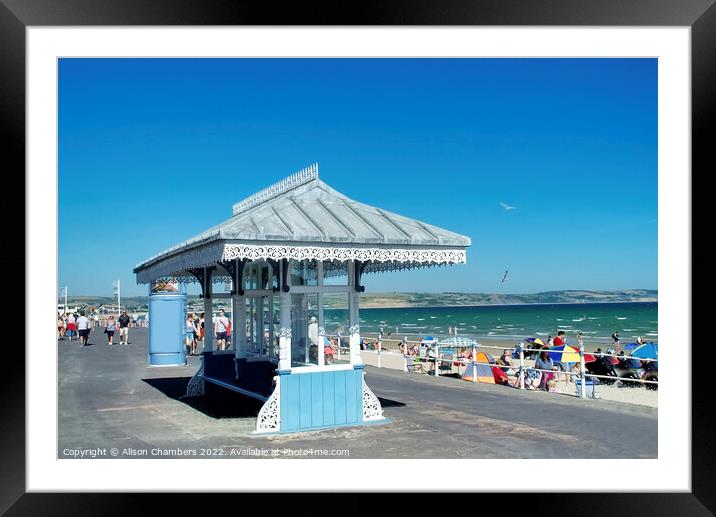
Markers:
(429, 340)
(458, 341)
(564, 354)
(535, 341)
(631, 346)
(647, 351)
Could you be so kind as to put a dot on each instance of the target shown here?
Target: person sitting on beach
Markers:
(504, 359)
(544, 362)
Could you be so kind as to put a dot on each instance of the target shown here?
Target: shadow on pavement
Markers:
(390, 403)
(221, 404)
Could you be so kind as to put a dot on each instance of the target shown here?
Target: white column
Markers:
(321, 345)
(354, 325)
(284, 362)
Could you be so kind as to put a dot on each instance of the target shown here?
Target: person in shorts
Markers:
(123, 321)
(221, 325)
(109, 329)
(83, 328)
(71, 326)
(60, 327)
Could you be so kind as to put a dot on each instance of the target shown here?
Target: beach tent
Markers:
(483, 372)
(647, 351)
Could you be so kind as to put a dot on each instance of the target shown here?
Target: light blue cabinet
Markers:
(166, 329)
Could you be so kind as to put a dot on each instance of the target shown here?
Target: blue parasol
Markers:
(647, 351)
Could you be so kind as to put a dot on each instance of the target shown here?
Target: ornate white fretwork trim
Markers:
(195, 388)
(207, 255)
(278, 252)
(355, 329)
(379, 259)
(285, 332)
(269, 419)
(372, 409)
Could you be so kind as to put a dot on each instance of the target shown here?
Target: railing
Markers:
(522, 369)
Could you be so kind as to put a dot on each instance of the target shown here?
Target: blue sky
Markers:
(153, 151)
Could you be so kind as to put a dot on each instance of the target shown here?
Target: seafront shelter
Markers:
(288, 252)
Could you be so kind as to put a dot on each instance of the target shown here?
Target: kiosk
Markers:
(285, 251)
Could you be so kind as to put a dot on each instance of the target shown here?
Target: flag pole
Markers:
(65, 308)
(119, 300)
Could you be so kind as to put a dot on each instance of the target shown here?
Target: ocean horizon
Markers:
(596, 321)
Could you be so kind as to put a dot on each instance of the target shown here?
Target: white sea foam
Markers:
(620, 318)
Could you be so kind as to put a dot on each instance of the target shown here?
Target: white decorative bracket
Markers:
(195, 388)
(269, 419)
(372, 409)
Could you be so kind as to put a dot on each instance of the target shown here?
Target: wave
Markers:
(619, 318)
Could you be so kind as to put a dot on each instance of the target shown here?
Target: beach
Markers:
(638, 395)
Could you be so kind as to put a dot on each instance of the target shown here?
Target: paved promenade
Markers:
(108, 398)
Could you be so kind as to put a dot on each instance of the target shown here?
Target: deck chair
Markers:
(415, 366)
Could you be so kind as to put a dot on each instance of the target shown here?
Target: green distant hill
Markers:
(427, 299)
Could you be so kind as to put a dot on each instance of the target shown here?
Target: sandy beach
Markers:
(631, 395)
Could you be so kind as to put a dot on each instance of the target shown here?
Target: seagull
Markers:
(507, 207)
(504, 277)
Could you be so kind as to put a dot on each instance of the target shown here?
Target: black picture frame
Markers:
(700, 15)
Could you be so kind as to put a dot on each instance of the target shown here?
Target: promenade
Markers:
(108, 398)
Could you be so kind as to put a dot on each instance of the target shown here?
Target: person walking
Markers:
(201, 327)
(189, 332)
(83, 327)
(96, 320)
(109, 329)
(124, 328)
(60, 327)
(221, 326)
(71, 326)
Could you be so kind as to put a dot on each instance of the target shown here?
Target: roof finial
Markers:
(301, 177)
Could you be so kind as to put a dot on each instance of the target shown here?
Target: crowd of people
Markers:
(79, 325)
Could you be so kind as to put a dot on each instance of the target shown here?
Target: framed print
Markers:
(178, 147)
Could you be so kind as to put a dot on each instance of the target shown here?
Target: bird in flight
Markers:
(504, 277)
(507, 207)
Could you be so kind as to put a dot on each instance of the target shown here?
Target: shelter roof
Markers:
(302, 217)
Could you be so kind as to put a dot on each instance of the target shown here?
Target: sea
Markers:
(597, 321)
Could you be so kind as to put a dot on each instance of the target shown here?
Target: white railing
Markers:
(582, 375)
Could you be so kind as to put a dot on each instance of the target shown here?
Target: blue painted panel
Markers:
(329, 401)
(166, 330)
(321, 400)
(350, 380)
(306, 400)
(317, 400)
(340, 396)
(294, 403)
